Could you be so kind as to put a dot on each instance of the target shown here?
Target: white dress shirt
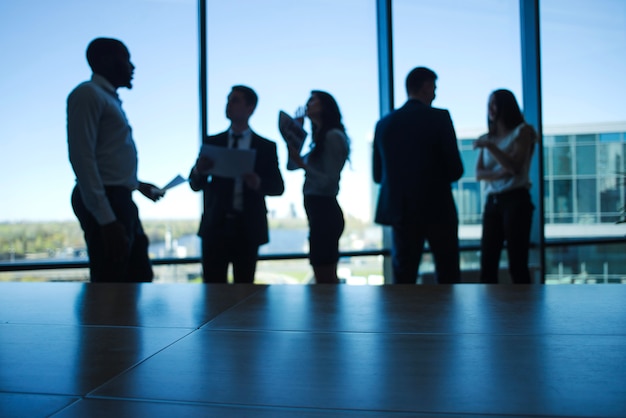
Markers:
(243, 143)
(519, 180)
(100, 144)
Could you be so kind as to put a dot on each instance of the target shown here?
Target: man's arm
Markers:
(452, 156)
(271, 180)
(83, 114)
(197, 180)
(198, 177)
(377, 163)
(150, 191)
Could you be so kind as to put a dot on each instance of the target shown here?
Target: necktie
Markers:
(236, 138)
(237, 191)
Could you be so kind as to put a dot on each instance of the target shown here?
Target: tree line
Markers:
(19, 239)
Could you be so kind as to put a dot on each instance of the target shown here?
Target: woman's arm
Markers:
(486, 174)
(512, 162)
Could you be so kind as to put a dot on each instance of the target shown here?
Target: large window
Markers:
(584, 124)
(285, 49)
(43, 44)
(284, 54)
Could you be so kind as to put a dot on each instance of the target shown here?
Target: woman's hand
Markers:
(300, 114)
(482, 143)
(295, 156)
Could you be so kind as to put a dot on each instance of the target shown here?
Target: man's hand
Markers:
(203, 165)
(150, 191)
(252, 180)
(116, 244)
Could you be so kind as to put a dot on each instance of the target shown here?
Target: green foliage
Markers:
(42, 239)
(156, 229)
(19, 239)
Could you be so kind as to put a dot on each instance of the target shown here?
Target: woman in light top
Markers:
(322, 166)
(503, 164)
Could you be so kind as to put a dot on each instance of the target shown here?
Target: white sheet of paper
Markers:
(229, 162)
(174, 182)
(292, 133)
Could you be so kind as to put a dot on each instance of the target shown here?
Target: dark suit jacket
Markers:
(218, 192)
(415, 160)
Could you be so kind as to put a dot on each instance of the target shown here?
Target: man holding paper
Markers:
(234, 222)
(103, 155)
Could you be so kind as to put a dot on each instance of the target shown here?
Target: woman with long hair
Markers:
(330, 148)
(503, 164)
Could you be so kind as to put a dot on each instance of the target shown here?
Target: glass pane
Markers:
(610, 159)
(586, 198)
(469, 162)
(580, 139)
(178, 273)
(562, 161)
(549, 141)
(585, 159)
(46, 42)
(581, 264)
(51, 275)
(351, 270)
(611, 137)
(593, 116)
(562, 202)
(547, 201)
(307, 47)
(469, 200)
(611, 194)
(451, 32)
(547, 161)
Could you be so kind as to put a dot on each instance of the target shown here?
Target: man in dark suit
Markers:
(415, 160)
(234, 223)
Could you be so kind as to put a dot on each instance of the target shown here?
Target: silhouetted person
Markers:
(234, 223)
(415, 160)
(322, 167)
(104, 158)
(503, 164)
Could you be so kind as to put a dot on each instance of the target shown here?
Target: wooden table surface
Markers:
(193, 350)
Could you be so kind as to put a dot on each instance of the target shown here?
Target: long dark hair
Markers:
(330, 118)
(507, 110)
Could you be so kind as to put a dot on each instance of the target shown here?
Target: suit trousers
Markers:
(507, 218)
(137, 267)
(230, 244)
(408, 246)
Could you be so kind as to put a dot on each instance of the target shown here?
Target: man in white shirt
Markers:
(104, 159)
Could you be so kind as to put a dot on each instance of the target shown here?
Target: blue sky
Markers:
(283, 49)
